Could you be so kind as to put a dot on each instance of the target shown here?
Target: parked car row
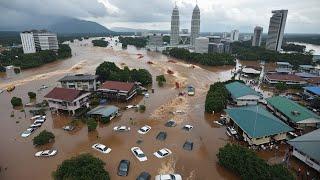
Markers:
(38, 121)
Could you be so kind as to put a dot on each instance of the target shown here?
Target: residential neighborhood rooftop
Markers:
(116, 85)
(104, 111)
(64, 94)
(293, 110)
(313, 89)
(314, 80)
(308, 143)
(284, 77)
(257, 121)
(79, 77)
(238, 89)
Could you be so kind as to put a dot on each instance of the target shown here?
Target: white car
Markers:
(102, 148)
(35, 125)
(138, 153)
(38, 117)
(27, 133)
(168, 177)
(144, 130)
(217, 122)
(162, 153)
(121, 128)
(147, 95)
(132, 106)
(231, 130)
(46, 153)
(40, 120)
(187, 127)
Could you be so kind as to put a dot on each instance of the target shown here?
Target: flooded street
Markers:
(17, 159)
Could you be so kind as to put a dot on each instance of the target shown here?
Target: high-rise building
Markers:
(201, 45)
(175, 23)
(234, 35)
(184, 31)
(215, 48)
(276, 29)
(195, 25)
(35, 40)
(257, 35)
(224, 35)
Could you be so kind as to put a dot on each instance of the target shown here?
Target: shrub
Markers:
(142, 108)
(105, 120)
(82, 167)
(248, 165)
(217, 98)
(43, 138)
(15, 101)
(92, 124)
(32, 95)
(160, 79)
(281, 86)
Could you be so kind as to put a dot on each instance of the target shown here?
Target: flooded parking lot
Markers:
(17, 159)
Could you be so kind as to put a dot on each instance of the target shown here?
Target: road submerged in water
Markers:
(17, 159)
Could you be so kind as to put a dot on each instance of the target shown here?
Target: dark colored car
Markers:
(123, 168)
(170, 124)
(188, 145)
(161, 136)
(144, 176)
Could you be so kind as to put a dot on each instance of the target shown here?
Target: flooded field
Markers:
(17, 159)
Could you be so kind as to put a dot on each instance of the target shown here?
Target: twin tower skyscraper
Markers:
(175, 26)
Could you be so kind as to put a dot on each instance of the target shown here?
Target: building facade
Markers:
(195, 25)
(33, 41)
(175, 27)
(276, 30)
(118, 90)
(242, 94)
(234, 35)
(257, 36)
(201, 45)
(215, 48)
(85, 82)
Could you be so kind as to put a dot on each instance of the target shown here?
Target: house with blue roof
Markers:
(107, 112)
(257, 125)
(307, 149)
(242, 94)
(312, 92)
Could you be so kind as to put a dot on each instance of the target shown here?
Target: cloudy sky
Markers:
(216, 15)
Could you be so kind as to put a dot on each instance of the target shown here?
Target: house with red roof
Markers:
(290, 79)
(118, 90)
(67, 99)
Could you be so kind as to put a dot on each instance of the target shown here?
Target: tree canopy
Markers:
(217, 98)
(139, 42)
(43, 138)
(82, 167)
(15, 101)
(100, 43)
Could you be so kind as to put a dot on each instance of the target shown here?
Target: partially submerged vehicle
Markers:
(191, 91)
(46, 153)
(144, 130)
(121, 128)
(162, 153)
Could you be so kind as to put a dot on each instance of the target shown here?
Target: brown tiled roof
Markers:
(63, 94)
(284, 77)
(314, 80)
(116, 85)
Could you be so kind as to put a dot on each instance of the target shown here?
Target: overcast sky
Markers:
(216, 15)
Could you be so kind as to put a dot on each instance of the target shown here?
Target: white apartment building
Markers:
(234, 35)
(35, 40)
(276, 30)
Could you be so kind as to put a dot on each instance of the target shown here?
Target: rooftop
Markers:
(238, 89)
(64, 94)
(314, 80)
(104, 111)
(79, 77)
(283, 63)
(284, 77)
(293, 110)
(313, 89)
(117, 85)
(257, 122)
(308, 143)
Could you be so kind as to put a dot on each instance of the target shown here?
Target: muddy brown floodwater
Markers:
(17, 159)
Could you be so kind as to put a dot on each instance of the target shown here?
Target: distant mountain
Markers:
(124, 29)
(70, 26)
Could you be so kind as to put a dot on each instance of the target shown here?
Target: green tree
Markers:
(160, 79)
(100, 43)
(217, 98)
(92, 124)
(16, 102)
(43, 138)
(139, 42)
(281, 86)
(32, 95)
(142, 108)
(82, 167)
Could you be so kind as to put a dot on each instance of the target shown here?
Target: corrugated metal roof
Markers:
(291, 109)
(313, 89)
(79, 77)
(238, 89)
(64, 94)
(257, 121)
(308, 143)
(104, 111)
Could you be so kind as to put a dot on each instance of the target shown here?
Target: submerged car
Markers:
(68, 128)
(46, 153)
(28, 132)
(168, 177)
(144, 176)
(144, 130)
(162, 153)
(170, 123)
(101, 148)
(191, 91)
(188, 145)
(138, 153)
(187, 127)
(121, 128)
(38, 117)
(40, 120)
(231, 130)
(161, 136)
(123, 168)
(35, 125)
